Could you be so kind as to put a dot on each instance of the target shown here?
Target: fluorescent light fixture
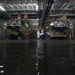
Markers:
(2, 8)
(30, 6)
(25, 6)
(35, 4)
(37, 19)
(51, 24)
(1, 66)
(2, 71)
(11, 6)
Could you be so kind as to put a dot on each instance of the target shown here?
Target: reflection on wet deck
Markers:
(37, 57)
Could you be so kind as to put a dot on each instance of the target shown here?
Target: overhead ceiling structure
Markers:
(18, 1)
(14, 7)
(55, 7)
(63, 6)
(19, 5)
(46, 11)
(33, 6)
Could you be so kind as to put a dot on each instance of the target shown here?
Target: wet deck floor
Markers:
(37, 57)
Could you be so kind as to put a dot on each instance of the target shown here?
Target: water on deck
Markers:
(37, 57)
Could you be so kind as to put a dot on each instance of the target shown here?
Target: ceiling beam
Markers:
(46, 12)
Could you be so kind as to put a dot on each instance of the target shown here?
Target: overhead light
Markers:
(1, 66)
(35, 4)
(2, 8)
(52, 24)
(11, 6)
(25, 6)
(37, 19)
(2, 71)
(30, 6)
